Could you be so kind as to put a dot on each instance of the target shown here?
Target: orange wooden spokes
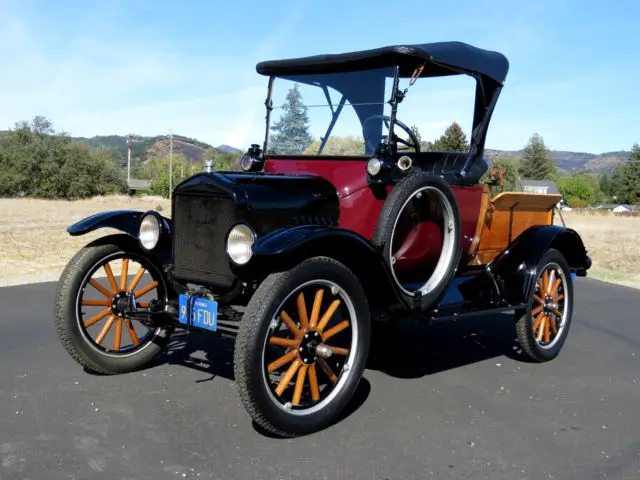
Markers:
(542, 327)
(335, 330)
(112, 280)
(132, 333)
(557, 298)
(339, 351)
(552, 323)
(297, 393)
(555, 286)
(146, 289)
(97, 317)
(545, 282)
(327, 370)
(288, 321)
(291, 371)
(96, 303)
(328, 314)
(546, 330)
(100, 288)
(283, 342)
(550, 281)
(537, 310)
(136, 279)
(124, 273)
(538, 299)
(105, 329)
(276, 364)
(313, 383)
(317, 302)
(538, 321)
(118, 336)
(302, 312)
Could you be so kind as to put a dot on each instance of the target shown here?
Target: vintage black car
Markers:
(300, 253)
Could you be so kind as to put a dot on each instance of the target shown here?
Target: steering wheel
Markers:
(415, 143)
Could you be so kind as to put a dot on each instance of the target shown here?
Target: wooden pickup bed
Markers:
(505, 216)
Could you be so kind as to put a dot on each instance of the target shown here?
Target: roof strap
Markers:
(416, 73)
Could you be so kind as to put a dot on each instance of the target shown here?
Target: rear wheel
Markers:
(543, 327)
(96, 288)
(302, 347)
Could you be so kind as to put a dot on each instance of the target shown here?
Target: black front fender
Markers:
(283, 249)
(126, 221)
(516, 266)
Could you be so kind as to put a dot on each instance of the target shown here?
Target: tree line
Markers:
(291, 135)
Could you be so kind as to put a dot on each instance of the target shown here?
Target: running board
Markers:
(464, 310)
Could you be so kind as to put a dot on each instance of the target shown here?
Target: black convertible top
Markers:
(442, 58)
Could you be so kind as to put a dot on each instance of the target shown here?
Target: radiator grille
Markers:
(200, 225)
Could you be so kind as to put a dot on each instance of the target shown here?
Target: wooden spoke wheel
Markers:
(302, 347)
(99, 287)
(107, 293)
(543, 329)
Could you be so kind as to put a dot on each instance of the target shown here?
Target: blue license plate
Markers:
(198, 312)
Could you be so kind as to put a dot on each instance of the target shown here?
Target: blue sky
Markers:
(150, 66)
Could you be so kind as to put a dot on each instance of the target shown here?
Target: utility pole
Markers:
(170, 162)
(129, 140)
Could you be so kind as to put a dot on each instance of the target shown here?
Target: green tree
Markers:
(36, 161)
(159, 173)
(291, 132)
(536, 164)
(338, 146)
(580, 186)
(628, 179)
(453, 140)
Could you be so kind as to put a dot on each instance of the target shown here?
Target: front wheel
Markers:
(302, 347)
(96, 289)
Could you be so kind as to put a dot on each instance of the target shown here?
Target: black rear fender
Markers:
(515, 268)
(284, 249)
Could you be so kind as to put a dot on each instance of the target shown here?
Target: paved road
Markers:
(453, 401)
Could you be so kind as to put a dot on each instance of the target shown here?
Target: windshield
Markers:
(330, 114)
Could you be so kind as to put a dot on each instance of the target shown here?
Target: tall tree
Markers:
(290, 134)
(453, 140)
(536, 164)
(628, 179)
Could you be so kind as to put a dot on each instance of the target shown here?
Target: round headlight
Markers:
(149, 231)
(239, 243)
(246, 162)
(374, 166)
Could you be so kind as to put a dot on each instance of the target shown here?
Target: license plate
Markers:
(198, 312)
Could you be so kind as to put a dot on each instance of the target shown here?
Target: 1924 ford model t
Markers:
(318, 247)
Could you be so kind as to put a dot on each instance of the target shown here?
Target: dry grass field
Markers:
(36, 247)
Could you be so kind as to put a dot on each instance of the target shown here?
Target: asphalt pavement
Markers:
(451, 400)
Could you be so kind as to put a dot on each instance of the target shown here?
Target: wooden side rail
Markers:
(506, 216)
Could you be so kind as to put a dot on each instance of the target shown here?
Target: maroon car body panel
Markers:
(360, 208)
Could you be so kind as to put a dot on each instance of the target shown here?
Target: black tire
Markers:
(541, 350)
(69, 296)
(392, 209)
(257, 329)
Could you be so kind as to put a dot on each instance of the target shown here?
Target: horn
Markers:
(404, 163)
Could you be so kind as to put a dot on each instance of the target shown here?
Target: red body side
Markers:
(359, 208)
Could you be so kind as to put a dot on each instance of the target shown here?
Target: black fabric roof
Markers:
(443, 58)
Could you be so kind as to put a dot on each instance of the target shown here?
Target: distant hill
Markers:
(228, 149)
(144, 148)
(574, 161)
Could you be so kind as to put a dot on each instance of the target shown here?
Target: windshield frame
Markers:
(394, 99)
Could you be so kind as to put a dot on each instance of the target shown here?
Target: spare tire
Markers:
(418, 195)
